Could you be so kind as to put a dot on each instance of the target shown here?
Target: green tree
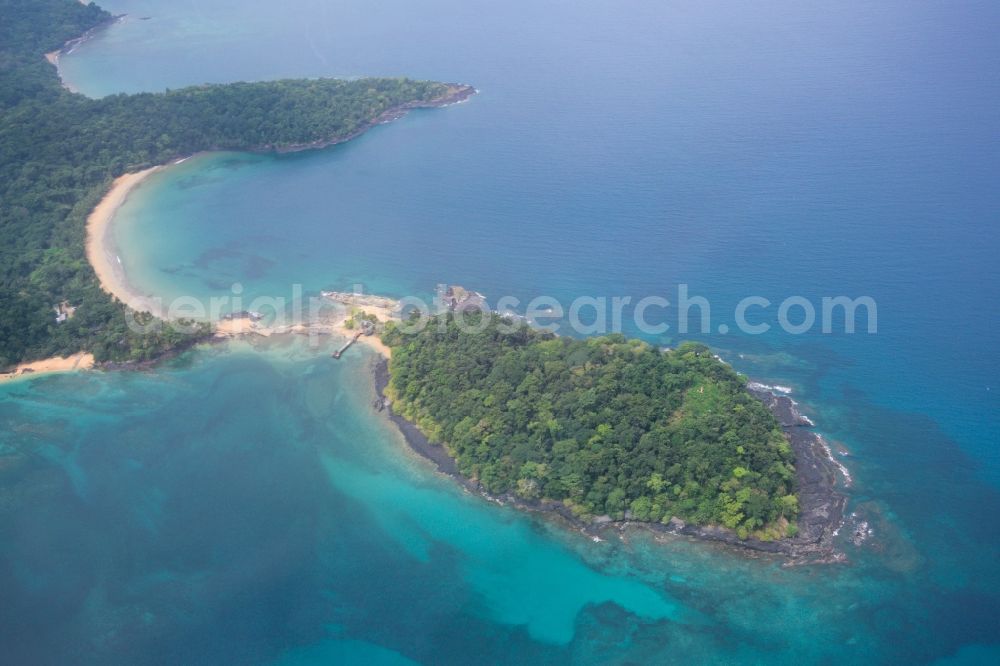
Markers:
(604, 424)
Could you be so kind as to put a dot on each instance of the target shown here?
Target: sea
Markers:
(245, 503)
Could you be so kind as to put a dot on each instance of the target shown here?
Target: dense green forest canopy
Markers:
(607, 425)
(59, 152)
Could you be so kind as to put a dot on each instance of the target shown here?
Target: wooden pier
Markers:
(339, 352)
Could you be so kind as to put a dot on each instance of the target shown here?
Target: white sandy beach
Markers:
(103, 256)
(235, 328)
(81, 361)
(101, 251)
(373, 342)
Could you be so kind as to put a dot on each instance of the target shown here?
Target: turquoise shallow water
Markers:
(251, 504)
(282, 505)
(246, 504)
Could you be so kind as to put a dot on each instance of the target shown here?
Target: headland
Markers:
(819, 480)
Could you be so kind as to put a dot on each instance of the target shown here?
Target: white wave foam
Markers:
(758, 386)
(848, 480)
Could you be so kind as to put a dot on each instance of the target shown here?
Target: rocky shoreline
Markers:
(821, 504)
(159, 359)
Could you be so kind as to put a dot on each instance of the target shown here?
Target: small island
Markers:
(609, 431)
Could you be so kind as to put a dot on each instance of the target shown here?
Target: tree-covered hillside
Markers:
(60, 151)
(606, 424)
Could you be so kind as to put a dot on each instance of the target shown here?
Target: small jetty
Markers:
(340, 352)
(367, 328)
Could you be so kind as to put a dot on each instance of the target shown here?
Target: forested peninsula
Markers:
(60, 151)
(609, 432)
(606, 425)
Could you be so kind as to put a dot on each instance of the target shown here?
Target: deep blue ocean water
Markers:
(250, 504)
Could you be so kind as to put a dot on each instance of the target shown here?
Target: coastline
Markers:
(230, 329)
(100, 245)
(102, 254)
(381, 308)
(821, 504)
(455, 93)
(46, 366)
(100, 248)
(53, 56)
